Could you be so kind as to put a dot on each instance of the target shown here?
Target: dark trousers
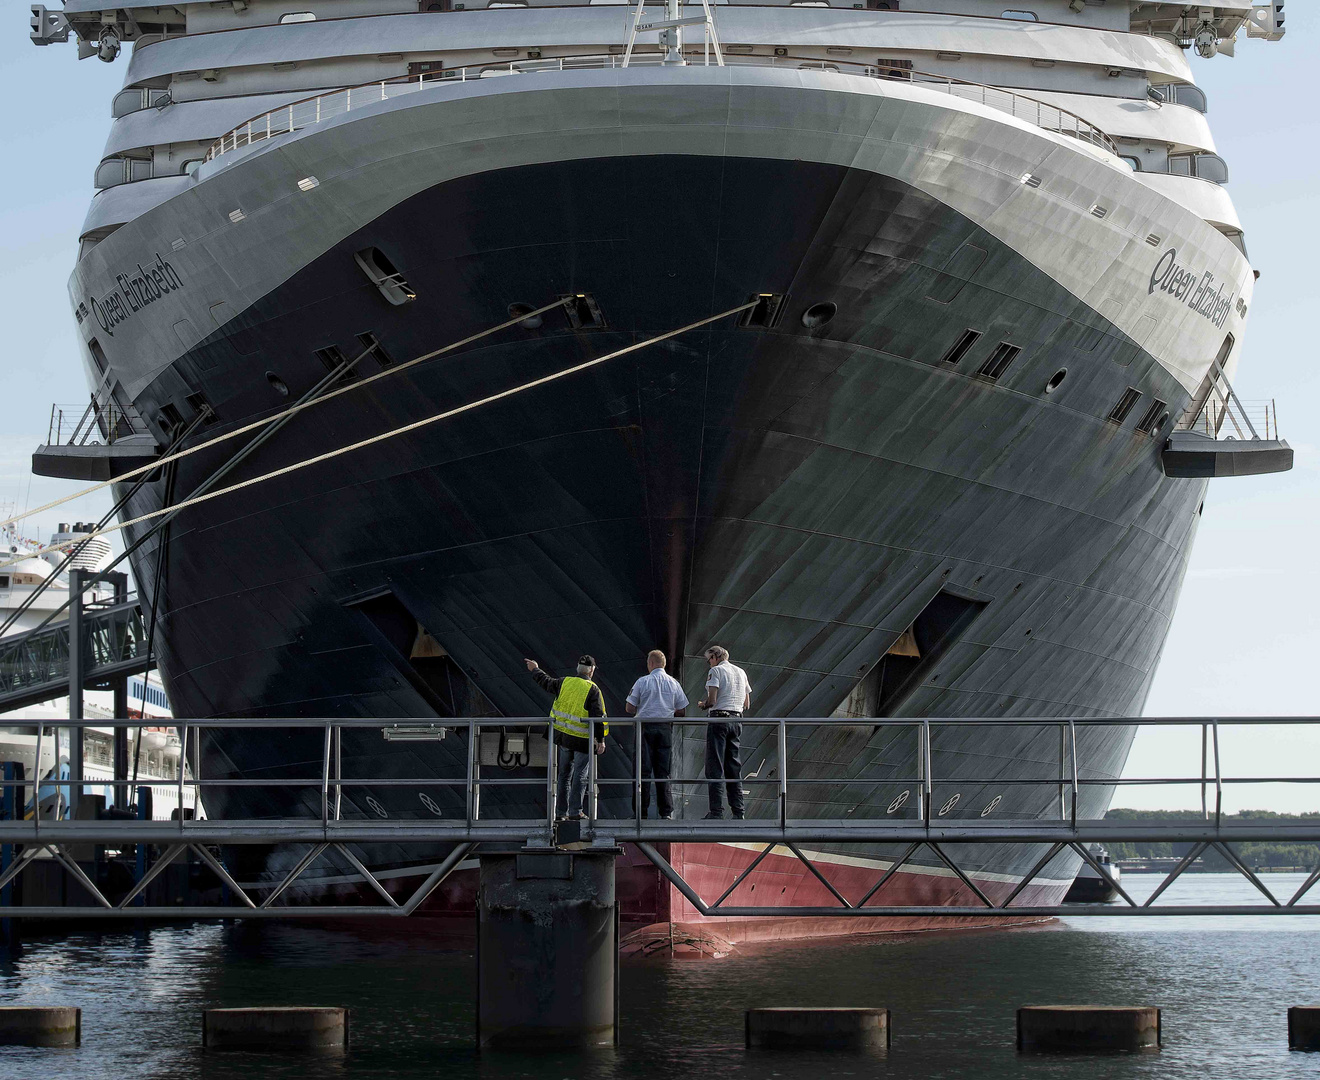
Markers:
(722, 761)
(657, 761)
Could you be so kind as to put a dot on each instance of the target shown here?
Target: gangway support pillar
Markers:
(547, 949)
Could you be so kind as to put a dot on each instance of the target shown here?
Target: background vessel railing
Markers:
(322, 107)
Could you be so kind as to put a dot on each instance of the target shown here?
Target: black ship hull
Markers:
(801, 492)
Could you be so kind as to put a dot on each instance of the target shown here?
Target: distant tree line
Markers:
(1254, 855)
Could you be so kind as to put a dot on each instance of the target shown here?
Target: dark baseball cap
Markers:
(587, 660)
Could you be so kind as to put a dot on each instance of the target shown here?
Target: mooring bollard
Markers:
(49, 1026)
(1304, 1027)
(817, 1029)
(1088, 1027)
(547, 950)
(277, 1028)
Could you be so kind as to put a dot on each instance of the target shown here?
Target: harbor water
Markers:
(1224, 985)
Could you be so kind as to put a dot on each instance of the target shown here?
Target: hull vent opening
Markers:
(201, 407)
(912, 658)
(1153, 418)
(999, 361)
(583, 311)
(332, 356)
(960, 348)
(420, 658)
(765, 316)
(387, 277)
(1119, 412)
(372, 347)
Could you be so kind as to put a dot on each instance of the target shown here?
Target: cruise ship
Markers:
(33, 589)
(952, 278)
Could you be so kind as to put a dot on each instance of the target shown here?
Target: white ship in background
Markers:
(155, 757)
(969, 291)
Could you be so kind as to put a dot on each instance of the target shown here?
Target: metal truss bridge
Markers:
(36, 666)
(923, 829)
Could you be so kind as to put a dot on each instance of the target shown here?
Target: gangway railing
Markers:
(34, 666)
(325, 106)
(332, 814)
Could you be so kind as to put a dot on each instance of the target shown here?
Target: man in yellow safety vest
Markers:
(578, 701)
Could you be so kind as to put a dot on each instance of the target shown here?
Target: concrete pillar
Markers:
(279, 1028)
(818, 1029)
(1304, 1027)
(51, 1026)
(547, 949)
(1088, 1027)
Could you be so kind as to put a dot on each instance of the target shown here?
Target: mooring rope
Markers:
(292, 410)
(402, 430)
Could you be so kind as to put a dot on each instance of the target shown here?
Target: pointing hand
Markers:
(532, 665)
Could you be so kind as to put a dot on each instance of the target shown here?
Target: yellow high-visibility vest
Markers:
(569, 712)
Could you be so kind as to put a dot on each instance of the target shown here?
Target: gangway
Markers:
(334, 823)
(35, 666)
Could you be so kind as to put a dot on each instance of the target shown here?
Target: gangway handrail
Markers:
(326, 105)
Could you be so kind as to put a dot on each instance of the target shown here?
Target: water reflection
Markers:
(1224, 986)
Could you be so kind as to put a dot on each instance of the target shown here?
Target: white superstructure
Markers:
(154, 756)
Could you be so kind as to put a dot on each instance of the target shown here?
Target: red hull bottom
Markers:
(657, 918)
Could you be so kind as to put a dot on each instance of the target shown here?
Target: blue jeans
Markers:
(572, 777)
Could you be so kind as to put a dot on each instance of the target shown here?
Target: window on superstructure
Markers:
(1021, 15)
(882, 5)
(4, 581)
(297, 17)
(1126, 403)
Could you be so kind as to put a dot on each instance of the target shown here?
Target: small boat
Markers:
(1089, 887)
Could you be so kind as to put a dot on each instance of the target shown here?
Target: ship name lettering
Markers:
(1200, 292)
(136, 289)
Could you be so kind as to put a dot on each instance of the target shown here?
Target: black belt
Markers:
(725, 712)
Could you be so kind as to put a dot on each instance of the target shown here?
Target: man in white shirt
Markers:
(657, 694)
(728, 696)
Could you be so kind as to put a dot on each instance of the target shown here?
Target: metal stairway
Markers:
(34, 666)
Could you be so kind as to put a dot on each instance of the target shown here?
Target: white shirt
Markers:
(731, 687)
(657, 694)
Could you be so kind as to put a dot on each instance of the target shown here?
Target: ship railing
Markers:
(91, 422)
(1231, 418)
(1052, 773)
(325, 106)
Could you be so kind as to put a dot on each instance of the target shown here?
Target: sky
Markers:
(1245, 640)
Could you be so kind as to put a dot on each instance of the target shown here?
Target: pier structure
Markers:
(927, 827)
(547, 912)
